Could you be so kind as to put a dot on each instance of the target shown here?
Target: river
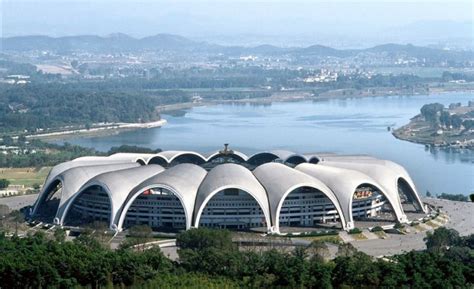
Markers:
(344, 126)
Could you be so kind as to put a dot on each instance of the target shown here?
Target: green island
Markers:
(441, 126)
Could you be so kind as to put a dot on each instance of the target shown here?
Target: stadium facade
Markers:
(226, 189)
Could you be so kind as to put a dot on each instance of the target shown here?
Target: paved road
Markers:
(18, 202)
(460, 214)
(460, 219)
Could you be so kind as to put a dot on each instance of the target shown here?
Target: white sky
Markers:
(226, 17)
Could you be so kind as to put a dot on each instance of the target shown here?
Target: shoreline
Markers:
(295, 95)
(102, 130)
(281, 96)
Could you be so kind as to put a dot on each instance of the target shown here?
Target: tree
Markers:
(471, 196)
(4, 183)
(203, 238)
(4, 210)
(346, 250)
(456, 121)
(430, 111)
(319, 249)
(468, 124)
(441, 239)
(356, 270)
(60, 235)
(17, 217)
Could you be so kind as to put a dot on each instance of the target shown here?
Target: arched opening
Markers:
(157, 207)
(157, 160)
(233, 208)
(295, 160)
(141, 162)
(408, 197)
(187, 159)
(49, 202)
(92, 205)
(313, 160)
(371, 208)
(307, 208)
(222, 158)
(219, 159)
(261, 158)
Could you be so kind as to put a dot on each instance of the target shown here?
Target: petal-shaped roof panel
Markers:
(183, 180)
(387, 173)
(344, 182)
(118, 184)
(280, 180)
(73, 179)
(227, 176)
(241, 156)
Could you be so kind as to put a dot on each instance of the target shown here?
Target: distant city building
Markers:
(226, 189)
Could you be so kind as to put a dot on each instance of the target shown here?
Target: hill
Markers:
(168, 42)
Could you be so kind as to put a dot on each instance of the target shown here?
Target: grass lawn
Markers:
(330, 239)
(24, 176)
(381, 234)
(358, 236)
(429, 223)
(418, 228)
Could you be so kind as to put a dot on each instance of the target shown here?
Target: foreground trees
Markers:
(209, 259)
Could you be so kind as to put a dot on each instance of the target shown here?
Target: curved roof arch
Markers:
(58, 169)
(272, 155)
(384, 172)
(182, 180)
(228, 176)
(117, 184)
(279, 181)
(236, 154)
(73, 179)
(132, 157)
(63, 167)
(158, 160)
(172, 155)
(344, 182)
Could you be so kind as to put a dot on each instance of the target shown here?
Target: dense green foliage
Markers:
(351, 269)
(432, 111)
(449, 76)
(4, 183)
(454, 197)
(209, 259)
(36, 262)
(37, 154)
(41, 106)
(132, 149)
(355, 231)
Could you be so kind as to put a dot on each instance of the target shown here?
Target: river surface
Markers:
(344, 126)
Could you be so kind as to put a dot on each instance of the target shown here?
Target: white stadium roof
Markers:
(121, 176)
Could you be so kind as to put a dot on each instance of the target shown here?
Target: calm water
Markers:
(351, 126)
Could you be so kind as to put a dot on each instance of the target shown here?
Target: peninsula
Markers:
(440, 126)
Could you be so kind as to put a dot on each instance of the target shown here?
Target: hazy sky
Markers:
(322, 20)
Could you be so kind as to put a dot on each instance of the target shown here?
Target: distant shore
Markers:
(298, 95)
(100, 129)
(420, 131)
(279, 96)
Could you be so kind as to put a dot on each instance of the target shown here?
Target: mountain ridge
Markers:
(119, 42)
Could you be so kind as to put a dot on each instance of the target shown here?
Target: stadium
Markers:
(274, 191)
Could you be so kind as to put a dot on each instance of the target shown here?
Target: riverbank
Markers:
(421, 131)
(302, 95)
(275, 97)
(98, 130)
